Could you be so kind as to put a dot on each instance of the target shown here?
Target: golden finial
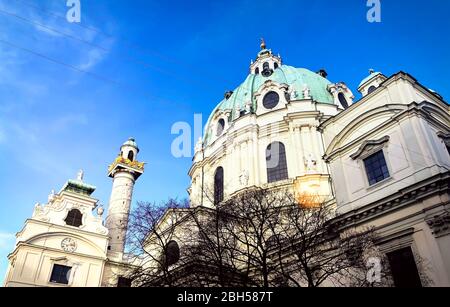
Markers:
(263, 44)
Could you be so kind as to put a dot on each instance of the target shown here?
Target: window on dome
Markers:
(376, 168)
(342, 100)
(371, 89)
(266, 65)
(275, 65)
(271, 100)
(257, 71)
(220, 127)
(276, 162)
(74, 218)
(218, 186)
(131, 155)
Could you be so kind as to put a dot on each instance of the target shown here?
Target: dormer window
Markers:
(74, 218)
(257, 71)
(275, 65)
(228, 95)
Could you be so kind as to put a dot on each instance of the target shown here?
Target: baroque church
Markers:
(381, 161)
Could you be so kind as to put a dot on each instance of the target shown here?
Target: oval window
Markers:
(271, 100)
(220, 127)
(342, 100)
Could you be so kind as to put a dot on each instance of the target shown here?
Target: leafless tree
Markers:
(151, 229)
(257, 238)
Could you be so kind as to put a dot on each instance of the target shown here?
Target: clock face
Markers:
(69, 245)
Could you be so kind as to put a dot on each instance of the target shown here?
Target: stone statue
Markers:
(38, 210)
(248, 107)
(310, 163)
(306, 92)
(293, 94)
(243, 178)
(100, 211)
(51, 196)
(237, 112)
(80, 175)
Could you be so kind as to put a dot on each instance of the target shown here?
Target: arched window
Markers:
(276, 162)
(371, 89)
(220, 127)
(343, 101)
(131, 155)
(218, 186)
(267, 72)
(172, 253)
(257, 71)
(74, 218)
(275, 65)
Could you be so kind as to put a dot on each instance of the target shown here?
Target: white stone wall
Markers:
(413, 152)
(241, 150)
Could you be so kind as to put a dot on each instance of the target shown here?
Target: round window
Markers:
(220, 126)
(271, 100)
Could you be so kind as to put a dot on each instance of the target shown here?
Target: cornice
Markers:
(404, 197)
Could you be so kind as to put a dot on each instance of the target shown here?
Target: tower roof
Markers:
(78, 186)
(372, 74)
(132, 143)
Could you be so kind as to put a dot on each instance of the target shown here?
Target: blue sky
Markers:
(162, 61)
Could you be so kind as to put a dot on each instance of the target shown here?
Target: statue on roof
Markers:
(80, 175)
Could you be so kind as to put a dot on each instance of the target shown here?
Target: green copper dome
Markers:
(296, 78)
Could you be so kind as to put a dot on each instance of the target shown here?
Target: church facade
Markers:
(67, 242)
(381, 161)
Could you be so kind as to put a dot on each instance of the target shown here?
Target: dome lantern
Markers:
(266, 62)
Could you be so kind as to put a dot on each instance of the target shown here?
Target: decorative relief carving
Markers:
(59, 205)
(102, 230)
(440, 224)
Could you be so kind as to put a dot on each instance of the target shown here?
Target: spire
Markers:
(263, 44)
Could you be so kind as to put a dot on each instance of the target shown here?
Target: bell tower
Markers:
(125, 170)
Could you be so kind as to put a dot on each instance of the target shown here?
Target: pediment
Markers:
(369, 147)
